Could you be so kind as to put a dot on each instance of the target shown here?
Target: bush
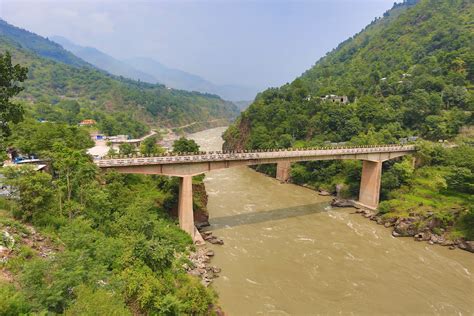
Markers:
(12, 301)
(96, 302)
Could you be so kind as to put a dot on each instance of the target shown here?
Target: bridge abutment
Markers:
(185, 209)
(369, 193)
(283, 171)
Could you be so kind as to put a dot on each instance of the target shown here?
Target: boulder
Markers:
(405, 229)
(467, 245)
(203, 224)
(206, 234)
(194, 272)
(395, 234)
(215, 241)
(424, 236)
(324, 193)
(341, 203)
(447, 242)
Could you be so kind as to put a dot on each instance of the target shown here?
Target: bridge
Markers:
(187, 165)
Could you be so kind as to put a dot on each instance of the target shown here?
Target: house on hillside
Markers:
(88, 122)
(336, 98)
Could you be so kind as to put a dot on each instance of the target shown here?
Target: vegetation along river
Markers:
(287, 252)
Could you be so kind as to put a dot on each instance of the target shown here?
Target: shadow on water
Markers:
(266, 216)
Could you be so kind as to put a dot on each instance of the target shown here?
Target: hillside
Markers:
(51, 80)
(151, 71)
(103, 61)
(39, 45)
(410, 73)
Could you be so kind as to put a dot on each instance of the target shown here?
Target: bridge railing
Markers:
(250, 154)
(368, 148)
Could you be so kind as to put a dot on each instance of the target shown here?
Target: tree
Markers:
(75, 171)
(10, 77)
(461, 180)
(184, 145)
(32, 189)
(126, 149)
(149, 146)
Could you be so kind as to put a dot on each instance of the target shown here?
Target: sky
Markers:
(259, 43)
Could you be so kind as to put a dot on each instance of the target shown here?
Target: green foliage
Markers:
(121, 245)
(461, 180)
(31, 137)
(113, 231)
(96, 302)
(149, 146)
(126, 149)
(11, 75)
(32, 189)
(12, 301)
(184, 145)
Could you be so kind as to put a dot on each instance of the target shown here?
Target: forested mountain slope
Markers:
(409, 73)
(152, 71)
(51, 80)
(103, 61)
(39, 45)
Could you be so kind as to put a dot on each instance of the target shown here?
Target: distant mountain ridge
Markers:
(56, 74)
(149, 70)
(103, 61)
(183, 80)
(39, 45)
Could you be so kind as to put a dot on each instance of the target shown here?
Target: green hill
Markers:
(56, 75)
(39, 45)
(409, 73)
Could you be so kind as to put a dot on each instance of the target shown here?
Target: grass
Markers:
(427, 193)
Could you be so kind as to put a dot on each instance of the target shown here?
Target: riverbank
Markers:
(431, 232)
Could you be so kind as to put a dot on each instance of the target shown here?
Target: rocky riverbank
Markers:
(420, 227)
(200, 260)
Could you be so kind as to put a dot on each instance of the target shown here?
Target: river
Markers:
(287, 252)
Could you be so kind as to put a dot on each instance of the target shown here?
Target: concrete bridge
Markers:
(187, 165)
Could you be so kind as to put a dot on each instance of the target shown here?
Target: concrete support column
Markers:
(185, 209)
(283, 171)
(370, 183)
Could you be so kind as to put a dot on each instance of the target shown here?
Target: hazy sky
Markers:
(259, 43)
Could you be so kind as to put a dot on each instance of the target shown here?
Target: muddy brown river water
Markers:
(287, 252)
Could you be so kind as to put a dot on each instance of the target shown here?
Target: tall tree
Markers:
(184, 145)
(10, 77)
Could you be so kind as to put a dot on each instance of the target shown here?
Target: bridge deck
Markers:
(251, 155)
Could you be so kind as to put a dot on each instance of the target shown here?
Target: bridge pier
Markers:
(185, 209)
(369, 193)
(283, 171)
